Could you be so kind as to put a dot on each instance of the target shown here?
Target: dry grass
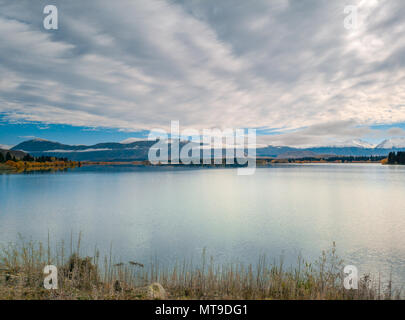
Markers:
(21, 277)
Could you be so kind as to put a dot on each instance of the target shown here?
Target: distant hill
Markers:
(40, 145)
(99, 152)
(299, 154)
(396, 143)
(138, 150)
(351, 151)
(274, 152)
(289, 152)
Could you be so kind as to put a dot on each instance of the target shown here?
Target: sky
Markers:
(288, 68)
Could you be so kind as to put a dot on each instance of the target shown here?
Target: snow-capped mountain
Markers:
(394, 143)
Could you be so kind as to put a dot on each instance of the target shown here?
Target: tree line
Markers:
(396, 158)
(6, 158)
(342, 159)
(29, 158)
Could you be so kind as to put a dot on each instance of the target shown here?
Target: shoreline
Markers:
(260, 163)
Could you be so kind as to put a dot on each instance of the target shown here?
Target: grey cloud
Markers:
(138, 65)
(396, 132)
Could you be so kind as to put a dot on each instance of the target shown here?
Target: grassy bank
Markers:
(96, 277)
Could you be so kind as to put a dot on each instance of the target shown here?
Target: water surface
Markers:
(175, 213)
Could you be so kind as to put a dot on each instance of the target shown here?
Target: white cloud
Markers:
(131, 140)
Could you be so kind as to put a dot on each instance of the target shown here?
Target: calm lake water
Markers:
(172, 214)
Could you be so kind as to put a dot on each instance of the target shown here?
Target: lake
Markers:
(173, 214)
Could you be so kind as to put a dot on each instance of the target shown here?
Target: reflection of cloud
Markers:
(237, 64)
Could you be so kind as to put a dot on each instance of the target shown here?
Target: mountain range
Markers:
(396, 143)
(110, 151)
(138, 150)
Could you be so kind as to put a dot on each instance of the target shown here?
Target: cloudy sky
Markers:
(115, 69)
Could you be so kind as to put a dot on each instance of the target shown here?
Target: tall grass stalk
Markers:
(80, 277)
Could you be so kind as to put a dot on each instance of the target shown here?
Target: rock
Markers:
(156, 292)
(117, 286)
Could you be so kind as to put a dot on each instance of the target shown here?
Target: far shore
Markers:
(30, 166)
(260, 162)
(20, 167)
